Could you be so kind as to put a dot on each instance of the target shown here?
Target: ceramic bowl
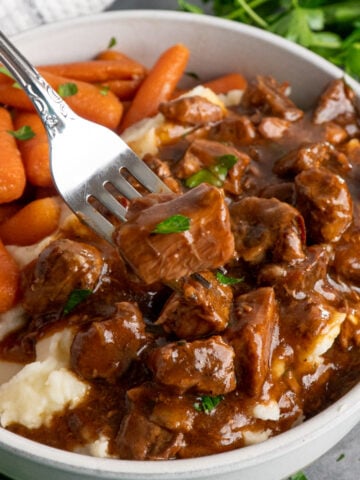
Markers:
(217, 46)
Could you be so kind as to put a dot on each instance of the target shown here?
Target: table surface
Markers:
(342, 462)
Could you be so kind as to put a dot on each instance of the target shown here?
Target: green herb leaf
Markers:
(104, 90)
(206, 403)
(23, 133)
(5, 71)
(188, 7)
(173, 224)
(67, 89)
(215, 174)
(298, 476)
(340, 457)
(112, 42)
(226, 280)
(75, 297)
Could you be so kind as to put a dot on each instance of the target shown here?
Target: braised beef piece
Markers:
(63, 266)
(251, 334)
(106, 348)
(202, 366)
(234, 128)
(194, 110)
(204, 153)
(198, 309)
(268, 95)
(325, 202)
(273, 127)
(267, 229)
(337, 103)
(154, 426)
(162, 170)
(207, 244)
(347, 257)
(313, 155)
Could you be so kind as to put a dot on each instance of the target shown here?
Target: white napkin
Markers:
(19, 15)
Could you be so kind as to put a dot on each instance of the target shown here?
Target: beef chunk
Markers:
(141, 439)
(347, 256)
(313, 155)
(62, 267)
(336, 103)
(235, 129)
(251, 336)
(202, 366)
(208, 243)
(198, 310)
(273, 127)
(325, 202)
(194, 110)
(162, 170)
(267, 94)
(267, 227)
(206, 153)
(105, 349)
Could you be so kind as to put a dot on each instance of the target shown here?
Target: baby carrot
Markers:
(123, 89)
(158, 86)
(94, 71)
(225, 83)
(32, 223)
(35, 151)
(88, 102)
(9, 279)
(12, 173)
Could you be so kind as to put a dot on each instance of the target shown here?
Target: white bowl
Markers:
(217, 46)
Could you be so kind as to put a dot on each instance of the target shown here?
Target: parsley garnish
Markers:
(215, 174)
(103, 89)
(112, 42)
(67, 89)
(340, 457)
(173, 224)
(206, 403)
(226, 280)
(23, 133)
(327, 27)
(75, 297)
(298, 476)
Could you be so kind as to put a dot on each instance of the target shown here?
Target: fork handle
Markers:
(51, 107)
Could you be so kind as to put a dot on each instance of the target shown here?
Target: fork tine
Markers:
(110, 202)
(96, 221)
(124, 187)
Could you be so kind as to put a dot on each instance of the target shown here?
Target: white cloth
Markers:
(19, 15)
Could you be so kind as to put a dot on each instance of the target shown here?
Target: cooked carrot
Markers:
(123, 89)
(94, 71)
(89, 102)
(9, 279)
(12, 172)
(116, 55)
(158, 86)
(223, 84)
(35, 151)
(32, 223)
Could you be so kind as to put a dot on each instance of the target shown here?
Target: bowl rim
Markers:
(226, 462)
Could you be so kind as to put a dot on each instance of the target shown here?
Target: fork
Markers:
(87, 161)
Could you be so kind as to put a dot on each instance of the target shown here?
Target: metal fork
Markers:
(87, 160)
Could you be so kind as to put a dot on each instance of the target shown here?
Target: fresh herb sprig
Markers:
(330, 28)
(207, 403)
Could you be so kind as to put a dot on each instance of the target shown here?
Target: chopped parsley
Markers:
(227, 280)
(75, 297)
(112, 42)
(207, 403)
(298, 476)
(67, 89)
(23, 133)
(340, 457)
(215, 174)
(173, 224)
(104, 89)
